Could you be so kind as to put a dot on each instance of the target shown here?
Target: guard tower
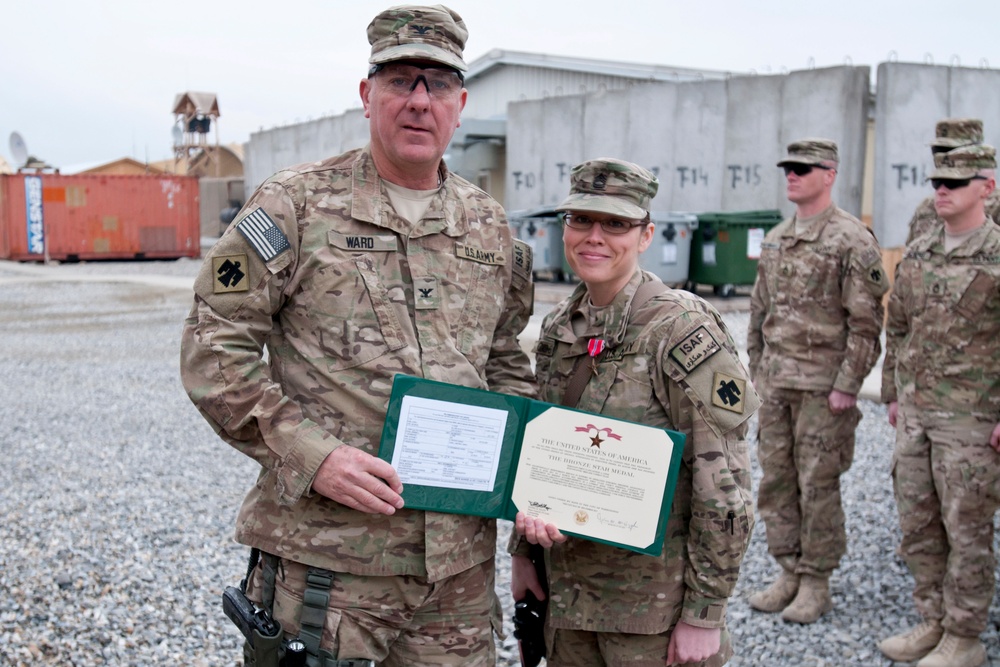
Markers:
(194, 115)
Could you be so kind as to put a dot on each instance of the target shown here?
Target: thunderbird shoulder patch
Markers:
(696, 347)
(262, 234)
(728, 392)
(230, 273)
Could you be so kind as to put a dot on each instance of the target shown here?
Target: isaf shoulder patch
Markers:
(523, 259)
(871, 264)
(729, 392)
(696, 347)
(262, 234)
(869, 256)
(230, 274)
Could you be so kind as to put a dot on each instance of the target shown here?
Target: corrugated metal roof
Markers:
(499, 57)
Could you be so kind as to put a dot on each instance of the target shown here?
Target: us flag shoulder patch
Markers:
(261, 233)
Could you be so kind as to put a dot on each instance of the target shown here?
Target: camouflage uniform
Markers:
(943, 367)
(358, 295)
(816, 315)
(643, 377)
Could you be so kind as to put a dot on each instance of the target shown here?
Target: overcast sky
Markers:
(89, 82)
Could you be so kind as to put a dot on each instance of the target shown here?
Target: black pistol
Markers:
(247, 616)
(265, 645)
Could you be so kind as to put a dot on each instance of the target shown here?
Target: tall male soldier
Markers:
(941, 380)
(815, 320)
(336, 276)
(950, 133)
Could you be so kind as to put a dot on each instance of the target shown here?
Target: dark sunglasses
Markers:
(955, 183)
(802, 169)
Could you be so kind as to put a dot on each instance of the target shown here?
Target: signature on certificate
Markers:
(620, 524)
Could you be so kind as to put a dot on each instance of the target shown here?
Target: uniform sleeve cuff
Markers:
(298, 470)
(517, 545)
(703, 612)
(847, 384)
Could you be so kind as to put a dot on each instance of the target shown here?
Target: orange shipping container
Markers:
(87, 217)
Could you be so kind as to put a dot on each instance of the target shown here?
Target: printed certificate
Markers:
(469, 451)
(602, 480)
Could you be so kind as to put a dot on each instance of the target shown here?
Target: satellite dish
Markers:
(178, 135)
(18, 149)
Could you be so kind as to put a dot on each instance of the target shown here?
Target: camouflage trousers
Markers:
(803, 450)
(947, 483)
(582, 648)
(400, 620)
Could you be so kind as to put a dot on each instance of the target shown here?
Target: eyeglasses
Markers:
(441, 82)
(609, 226)
(800, 169)
(955, 183)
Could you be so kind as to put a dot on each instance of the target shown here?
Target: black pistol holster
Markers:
(265, 644)
(529, 615)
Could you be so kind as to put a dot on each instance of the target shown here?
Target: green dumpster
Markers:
(726, 247)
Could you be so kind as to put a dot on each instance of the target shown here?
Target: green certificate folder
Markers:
(469, 451)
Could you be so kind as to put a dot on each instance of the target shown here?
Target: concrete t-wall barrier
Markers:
(912, 98)
(713, 144)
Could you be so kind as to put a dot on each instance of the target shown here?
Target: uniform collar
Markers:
(934, 243)
(614, 324)
(814, 230)
(973, 244)
(446, 213)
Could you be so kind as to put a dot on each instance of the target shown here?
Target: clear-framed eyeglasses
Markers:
(583, 223)
(402, 79)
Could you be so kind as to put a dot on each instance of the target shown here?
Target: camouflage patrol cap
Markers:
(418, 32)
(955, 132)
(811, 151)
(611, 186)
(964, 161)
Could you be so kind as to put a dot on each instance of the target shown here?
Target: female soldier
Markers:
(666, 360)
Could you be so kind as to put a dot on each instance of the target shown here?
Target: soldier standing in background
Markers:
(815, 319)
(348, 271)
(950, 133)
(941, 381)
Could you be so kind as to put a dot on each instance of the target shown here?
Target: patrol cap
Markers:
(418, 32)
(811, 151)
(607, 185)
(955, 132)
(964, 161)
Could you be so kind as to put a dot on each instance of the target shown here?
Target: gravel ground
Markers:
(118, 500)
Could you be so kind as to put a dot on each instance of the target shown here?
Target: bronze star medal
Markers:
(594, 347)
